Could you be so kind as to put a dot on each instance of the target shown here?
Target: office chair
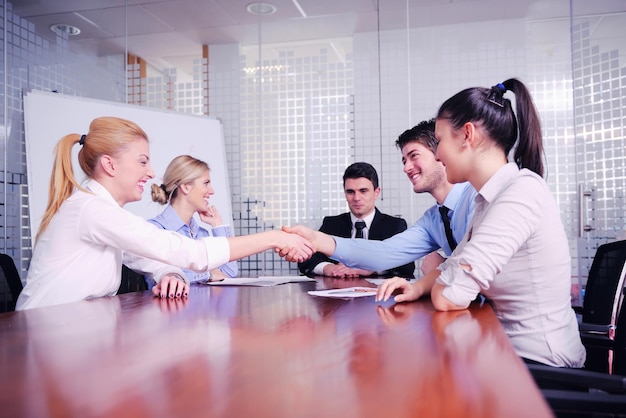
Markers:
(131, 281)
(11, 277)
(603, 295)
(587, 391)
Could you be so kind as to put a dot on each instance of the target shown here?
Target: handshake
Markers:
(298, 243)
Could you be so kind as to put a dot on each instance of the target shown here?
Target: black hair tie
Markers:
(500, 87)
(496, 94)
(82, 140)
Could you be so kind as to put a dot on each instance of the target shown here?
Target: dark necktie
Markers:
(359, 225)
(446, 224)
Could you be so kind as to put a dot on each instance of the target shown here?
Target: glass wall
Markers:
(31, 62)
(296, 113)
(598, 47)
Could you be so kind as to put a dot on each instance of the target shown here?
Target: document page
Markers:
(346, 293)
(261, 281)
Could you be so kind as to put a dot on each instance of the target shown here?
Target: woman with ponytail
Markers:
(85, 234)
(515, 253)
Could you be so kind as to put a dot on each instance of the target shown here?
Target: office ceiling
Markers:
(167, 32)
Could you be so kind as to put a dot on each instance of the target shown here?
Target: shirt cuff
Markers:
(170, 270)
(224, 230)
(319, 269)
(459, 287)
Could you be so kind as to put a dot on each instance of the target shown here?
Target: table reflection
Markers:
(249, 351)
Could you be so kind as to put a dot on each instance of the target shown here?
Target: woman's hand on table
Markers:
(171, 286)
(407, 291)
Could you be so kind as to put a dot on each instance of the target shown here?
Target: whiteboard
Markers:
(50, 116)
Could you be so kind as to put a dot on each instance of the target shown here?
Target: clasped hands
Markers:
(295, 247)
(300, 243)
(400, 289)
(323, 243)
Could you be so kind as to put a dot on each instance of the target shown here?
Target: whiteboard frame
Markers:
(50, 116)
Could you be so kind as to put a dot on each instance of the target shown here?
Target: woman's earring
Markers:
(464, 144)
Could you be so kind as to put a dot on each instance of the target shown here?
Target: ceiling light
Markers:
(260, 8)
(65, 28)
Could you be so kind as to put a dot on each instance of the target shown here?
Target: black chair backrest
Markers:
(605, 276)
(131, 281)
(619, 343)
(11, 276)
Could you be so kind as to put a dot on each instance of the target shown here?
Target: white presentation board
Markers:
(50, 116)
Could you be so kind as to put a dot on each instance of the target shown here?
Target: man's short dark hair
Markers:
(357, 170)
(423, 132)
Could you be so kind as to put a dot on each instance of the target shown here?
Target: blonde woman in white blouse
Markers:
(86, 235)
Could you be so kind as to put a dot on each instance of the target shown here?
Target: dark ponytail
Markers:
(529, 151)
(493, 112)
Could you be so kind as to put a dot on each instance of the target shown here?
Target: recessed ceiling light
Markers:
(65, 28)
(260, 8)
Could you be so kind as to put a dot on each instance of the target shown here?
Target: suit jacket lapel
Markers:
(376, 227)
(346, 225)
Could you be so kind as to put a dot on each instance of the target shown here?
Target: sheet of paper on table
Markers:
(379, 281)
(261, 281)
(346, 293)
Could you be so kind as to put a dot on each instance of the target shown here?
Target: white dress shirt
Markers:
(368, 222)
(519, 257)
(80, 254)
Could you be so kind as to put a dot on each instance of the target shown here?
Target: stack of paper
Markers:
(346, 293)
(261, 281)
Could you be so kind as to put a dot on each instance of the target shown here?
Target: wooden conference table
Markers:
(260, 352)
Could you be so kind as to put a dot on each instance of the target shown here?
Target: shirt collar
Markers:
(498, 180)
(454, 196)
(368, 219)
(99, 190)
(170, 220)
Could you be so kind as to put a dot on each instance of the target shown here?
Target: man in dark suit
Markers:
(360, 184)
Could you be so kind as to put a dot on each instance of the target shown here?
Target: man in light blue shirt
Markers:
(418, 146)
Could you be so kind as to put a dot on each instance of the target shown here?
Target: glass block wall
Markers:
(296, 138)
(296, 114)
(30, 62)
(599, 87)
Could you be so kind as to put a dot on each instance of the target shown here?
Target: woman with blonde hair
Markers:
(187, 188)
(86, 235)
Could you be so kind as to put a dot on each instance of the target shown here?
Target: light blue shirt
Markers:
(169, 219)
(425, 236)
